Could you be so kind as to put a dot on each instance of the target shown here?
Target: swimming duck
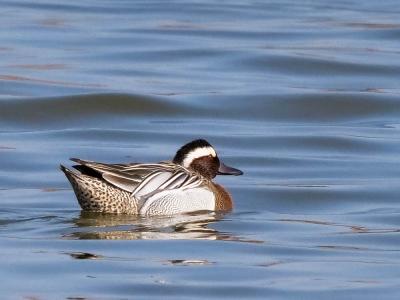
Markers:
(181, 186)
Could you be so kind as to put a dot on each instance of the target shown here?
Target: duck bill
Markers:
(226, 170)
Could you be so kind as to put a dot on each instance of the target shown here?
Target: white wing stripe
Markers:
(145, 181)
(171, 180)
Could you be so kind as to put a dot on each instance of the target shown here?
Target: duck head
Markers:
(200, 156)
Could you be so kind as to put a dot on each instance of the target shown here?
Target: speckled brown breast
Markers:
(223, 200)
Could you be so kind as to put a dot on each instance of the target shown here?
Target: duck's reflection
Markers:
(127, 227)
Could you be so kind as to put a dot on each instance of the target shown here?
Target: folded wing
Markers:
(142, 180)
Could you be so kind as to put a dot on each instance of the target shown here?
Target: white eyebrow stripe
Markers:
(196, 153)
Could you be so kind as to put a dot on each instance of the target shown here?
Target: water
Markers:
(302, 96)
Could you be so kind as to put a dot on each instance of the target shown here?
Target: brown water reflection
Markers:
(95, 226)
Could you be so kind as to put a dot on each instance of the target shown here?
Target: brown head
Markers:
(201, 157)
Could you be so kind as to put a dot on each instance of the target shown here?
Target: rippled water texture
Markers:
(303, 96)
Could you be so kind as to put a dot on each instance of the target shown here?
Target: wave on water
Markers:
(80, 108)
(300, 108)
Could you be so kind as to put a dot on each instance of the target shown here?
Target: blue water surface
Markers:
(303, 96)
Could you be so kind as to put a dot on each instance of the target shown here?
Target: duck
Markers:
(183, 185)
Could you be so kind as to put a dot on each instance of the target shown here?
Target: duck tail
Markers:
(69, 173)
